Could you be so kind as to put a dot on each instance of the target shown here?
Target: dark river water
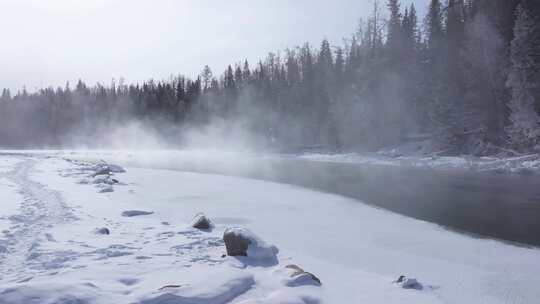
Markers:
(483, 204)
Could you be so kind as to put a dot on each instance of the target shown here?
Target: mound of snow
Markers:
(48, 294)
(296, 276)
(242, 242)
(283, 297)
(215, 290)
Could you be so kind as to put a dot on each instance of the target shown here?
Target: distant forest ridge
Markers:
(466, 76)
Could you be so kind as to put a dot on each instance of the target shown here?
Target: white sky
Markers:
(47, 42)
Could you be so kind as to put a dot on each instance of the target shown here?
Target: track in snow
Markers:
(40, 210)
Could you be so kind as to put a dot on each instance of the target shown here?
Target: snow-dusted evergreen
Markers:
(524, 77)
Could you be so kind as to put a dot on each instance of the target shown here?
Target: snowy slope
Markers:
(54, 255)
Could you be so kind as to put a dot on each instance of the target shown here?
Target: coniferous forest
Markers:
(466, 77)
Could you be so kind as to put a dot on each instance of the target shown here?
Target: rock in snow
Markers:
(104, 188)
(242, 242)
(298, 277)
(131, 213)
(102, 180)
(107, 169)
(101, 170)
(116, 169)
(104, 231)
(200, 221)
(408, 283)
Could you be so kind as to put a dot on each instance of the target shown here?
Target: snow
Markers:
(357, 251)
(205, 289)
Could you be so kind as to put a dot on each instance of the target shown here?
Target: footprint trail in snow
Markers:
(40, 209)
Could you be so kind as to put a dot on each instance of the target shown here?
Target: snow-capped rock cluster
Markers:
(101, 175)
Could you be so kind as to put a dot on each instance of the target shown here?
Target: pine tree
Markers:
(434, 26)
(524, 77)
(206, 77)
(339, 67)
(394, 31)
(238, 76)
(246, 72)
(325, 62)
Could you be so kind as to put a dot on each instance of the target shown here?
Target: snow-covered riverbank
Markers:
(53, 254)
(525, 164)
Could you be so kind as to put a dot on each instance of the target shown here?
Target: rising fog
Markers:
(448, 77)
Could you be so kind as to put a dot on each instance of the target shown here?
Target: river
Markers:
(503, 206)
(483, 204)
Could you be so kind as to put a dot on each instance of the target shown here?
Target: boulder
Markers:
(200, 221)
(104, 231)
(296, 276)
(102, 170)
(116, 168)
(242, 242)
(102, 180)
(408, 283)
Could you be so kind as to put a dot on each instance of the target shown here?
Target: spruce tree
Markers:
(524, 77)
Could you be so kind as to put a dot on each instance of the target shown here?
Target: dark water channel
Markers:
(485, 204)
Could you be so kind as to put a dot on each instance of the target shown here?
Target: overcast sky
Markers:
(49, 42)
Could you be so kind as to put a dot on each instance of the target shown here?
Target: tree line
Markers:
(465, 77)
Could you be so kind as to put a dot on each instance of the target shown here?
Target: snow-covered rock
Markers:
(200, 221)
(103, 180)
(101, 170)
(104, 188)
(104, 231)
(408, 283)
(132, 213)
(242, 242)
(296, 276)
(116, 168)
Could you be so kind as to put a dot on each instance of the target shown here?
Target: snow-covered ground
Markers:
(51, 210)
